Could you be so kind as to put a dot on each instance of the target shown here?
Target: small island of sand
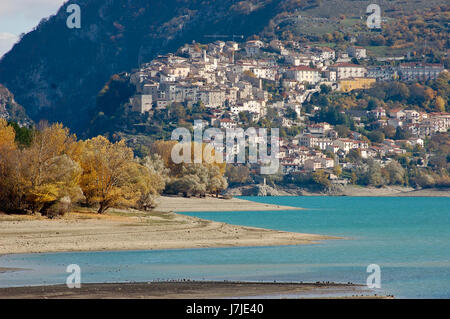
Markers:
(84, 230)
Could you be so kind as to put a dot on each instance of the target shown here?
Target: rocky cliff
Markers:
(10, 109)
(57, 72)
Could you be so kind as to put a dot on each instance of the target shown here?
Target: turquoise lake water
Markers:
(409, 238)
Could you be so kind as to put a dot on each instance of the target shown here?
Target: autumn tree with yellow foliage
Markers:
(7, 136)
(37, 177)
(153, 179)
(164, 150)
(49, 174)
(193, 178)
(109, 175)
(9, 186)
(439, 104)
(55, 170)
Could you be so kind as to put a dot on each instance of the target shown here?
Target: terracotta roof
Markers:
(396, 110)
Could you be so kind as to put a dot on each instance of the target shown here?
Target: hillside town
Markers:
(239, 80)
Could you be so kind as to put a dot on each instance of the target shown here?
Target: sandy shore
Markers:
(2, 269)
(188, 290)
(211, 204)
(135, 230)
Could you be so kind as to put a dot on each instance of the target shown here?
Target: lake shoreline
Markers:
(135, 230)
(404, 236)
(4, 269)
(213, 204)
(191, 290)
(337, 191)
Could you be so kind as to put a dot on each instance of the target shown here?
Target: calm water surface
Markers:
(409, 238)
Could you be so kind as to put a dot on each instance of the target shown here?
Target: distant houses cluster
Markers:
(230, 78)
(211, 74)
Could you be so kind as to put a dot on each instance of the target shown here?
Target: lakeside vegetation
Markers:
(51, 170)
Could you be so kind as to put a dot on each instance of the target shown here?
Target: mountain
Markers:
(57, 72)
(11, 110)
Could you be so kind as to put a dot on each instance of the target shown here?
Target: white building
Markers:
(252, 106)
(419, 71)
(348, 71)
(253, 47)
(357, 52)
(227, 123)
(141, 103)
(304, 74)
(265, 73)
(212, 97)
(325, 53)
(382, 73)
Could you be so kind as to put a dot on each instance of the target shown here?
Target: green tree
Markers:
(237, 174)
(216, 182)
(375, 176)
(342, 130)
(337, 170)
(401, 134)
(24, 135)
(397, 173)
(320, 177)
(376, 137)
(325, 89)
